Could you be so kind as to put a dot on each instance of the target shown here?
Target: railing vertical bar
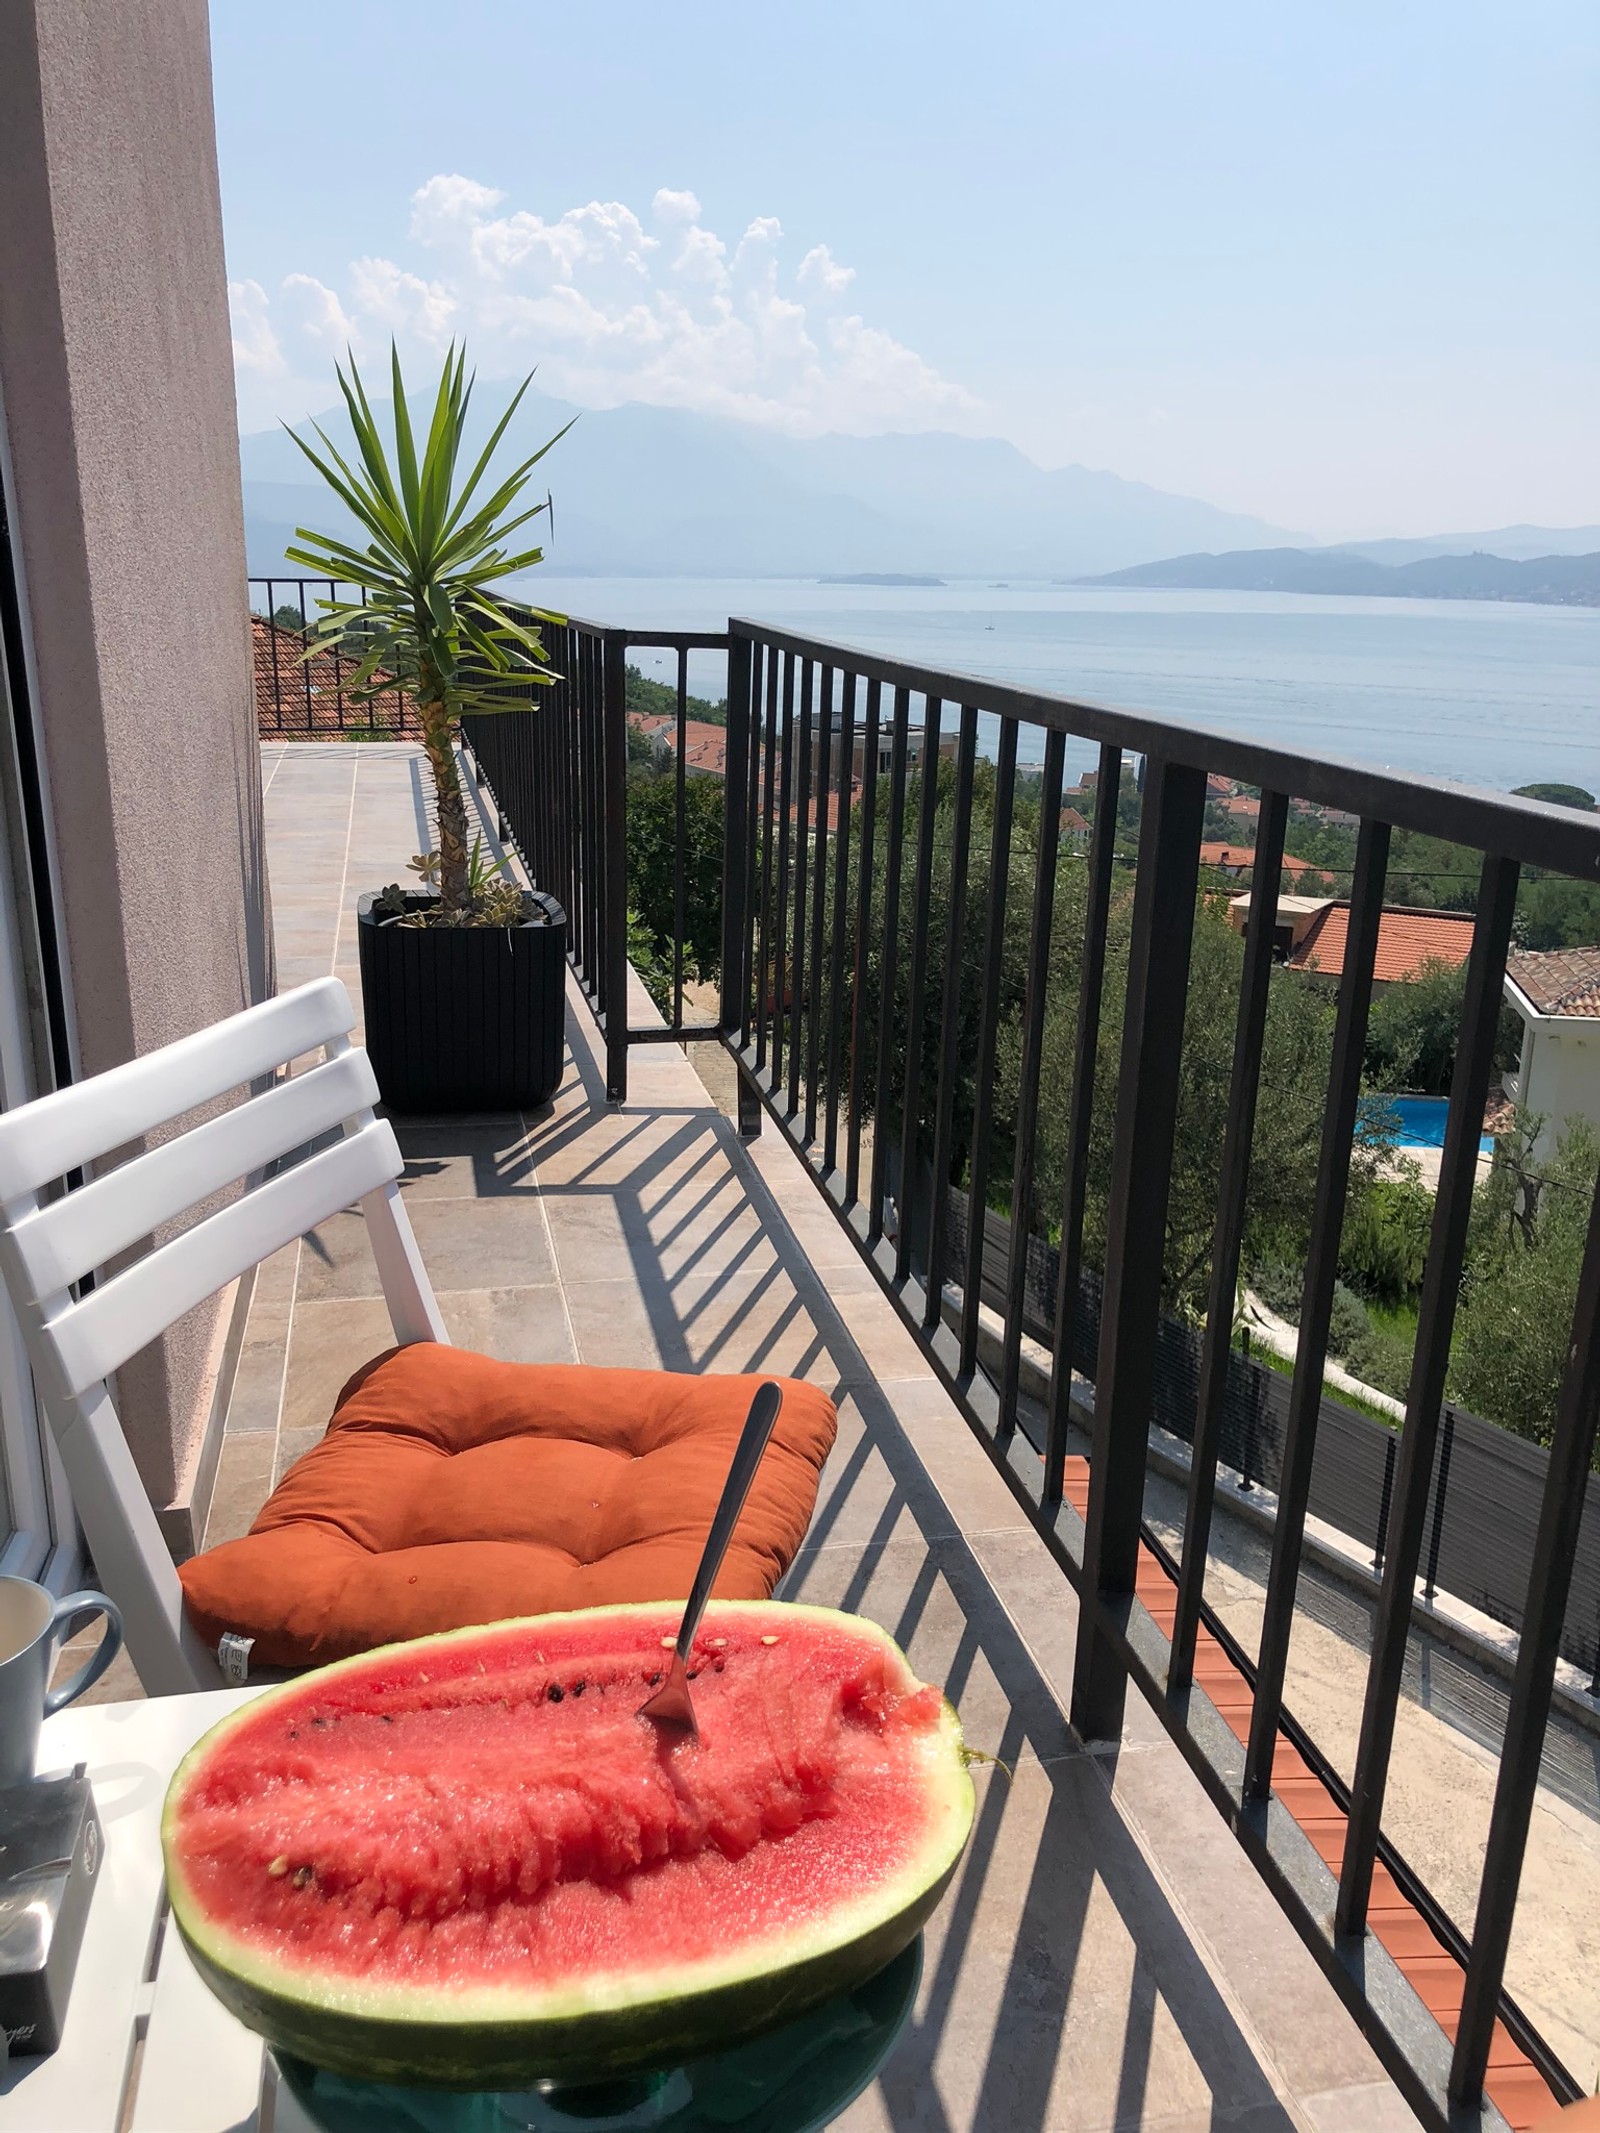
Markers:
(950, 1061)
(921, 906)
(305, 664)
(988, 1034)
(1036, 998)
(843, 820)
(1080, 1117)
(1322, 1266)
(866, 863)
(614, 738)
(889, 968)
(738, 766)
(680, 826)
(594, 977)
(1136, 1219)
(819, 900)
(1234, 1184)
(764, 971)
(272, 639)
(1528, 1709)
(1441, 1284)
(783, 976)
(798, 973)
(749, 695)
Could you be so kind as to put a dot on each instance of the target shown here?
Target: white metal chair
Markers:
(47, 1245)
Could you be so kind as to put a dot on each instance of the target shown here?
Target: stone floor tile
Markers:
(119, 1683)
(931, 1597)
(330, 1341)
(255, 1400)
(1377, 2107)
(1059, 1990)
(521, 1325)
(293, 1444)
(465, 1244)
(243, 1484)
(1313, 2043)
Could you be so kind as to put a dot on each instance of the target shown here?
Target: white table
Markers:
(198, 2070)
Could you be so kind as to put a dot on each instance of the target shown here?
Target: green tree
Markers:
(1529, 1223)
(652, 842)
(659, 699)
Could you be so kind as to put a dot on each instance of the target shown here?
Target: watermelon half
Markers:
(467, 1861)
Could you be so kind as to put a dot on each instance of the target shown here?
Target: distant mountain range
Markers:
(1562, 580)
(659, 492)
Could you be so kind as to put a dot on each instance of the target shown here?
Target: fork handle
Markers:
(752, 1443)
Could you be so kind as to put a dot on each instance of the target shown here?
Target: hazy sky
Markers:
(1332, 263)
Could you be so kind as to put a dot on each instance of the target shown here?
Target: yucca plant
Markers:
(430, 621)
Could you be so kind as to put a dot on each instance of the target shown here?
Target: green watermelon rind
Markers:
(502, 2036)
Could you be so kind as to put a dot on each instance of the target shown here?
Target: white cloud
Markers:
(609, 306)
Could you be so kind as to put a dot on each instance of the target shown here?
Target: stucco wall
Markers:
(117, 386)
(1559, 1075)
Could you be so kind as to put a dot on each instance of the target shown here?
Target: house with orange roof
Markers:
(1238, 860)
(1312, 933)
(1556, 997)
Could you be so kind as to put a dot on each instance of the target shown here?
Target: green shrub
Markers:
(1385, 1243)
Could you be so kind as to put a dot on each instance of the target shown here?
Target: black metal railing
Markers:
(793, 994)
(310, 699)
(888, 944)
(559, 775)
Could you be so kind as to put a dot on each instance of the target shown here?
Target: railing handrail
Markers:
(1536, 832)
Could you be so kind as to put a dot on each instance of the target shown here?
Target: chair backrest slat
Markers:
(84, 1229)
(71, 1128)
(91, 1337)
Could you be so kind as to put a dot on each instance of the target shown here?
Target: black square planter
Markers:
(464, 1018)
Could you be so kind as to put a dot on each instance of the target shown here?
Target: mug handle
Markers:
(81, 1603)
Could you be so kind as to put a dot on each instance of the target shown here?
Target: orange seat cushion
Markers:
(453, 1489)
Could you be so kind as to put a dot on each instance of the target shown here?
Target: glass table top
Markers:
(796, 2079)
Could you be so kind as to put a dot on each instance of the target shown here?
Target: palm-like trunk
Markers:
(438, 739)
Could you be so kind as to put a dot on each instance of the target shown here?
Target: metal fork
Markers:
(671, 1704)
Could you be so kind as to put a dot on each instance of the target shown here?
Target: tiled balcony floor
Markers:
(1106, 1959)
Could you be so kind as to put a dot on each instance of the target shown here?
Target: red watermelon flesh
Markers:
(481, 1828)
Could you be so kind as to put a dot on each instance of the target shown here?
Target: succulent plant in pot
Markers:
(463, 977)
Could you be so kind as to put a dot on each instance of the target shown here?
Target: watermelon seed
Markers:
(578, 1687)
(388, 1721)
(719, 1644)
(769, 1640)
(654, 1680)
(667, 1643)
(718, 1665)
(304, 1876)
(278, 1867)
(556, 1692)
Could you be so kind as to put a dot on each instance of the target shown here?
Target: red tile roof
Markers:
(1559, 981)
(1072, 823)
(1239, 858)
(309, 699)
(1407, 942)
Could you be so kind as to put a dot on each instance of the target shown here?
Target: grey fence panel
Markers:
(1493, 1481)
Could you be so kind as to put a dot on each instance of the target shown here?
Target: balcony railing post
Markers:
(1238, 1133)
(1141, 1169)
(1316, 1311)
(1528, 1710)
(614, 744)
(734, 1009)
(1441, 1284)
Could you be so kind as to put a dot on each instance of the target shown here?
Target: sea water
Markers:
(1492, 693)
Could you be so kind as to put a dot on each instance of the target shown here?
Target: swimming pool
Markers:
(1421, 1120)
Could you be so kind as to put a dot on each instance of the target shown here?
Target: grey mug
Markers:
(32, 1625)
